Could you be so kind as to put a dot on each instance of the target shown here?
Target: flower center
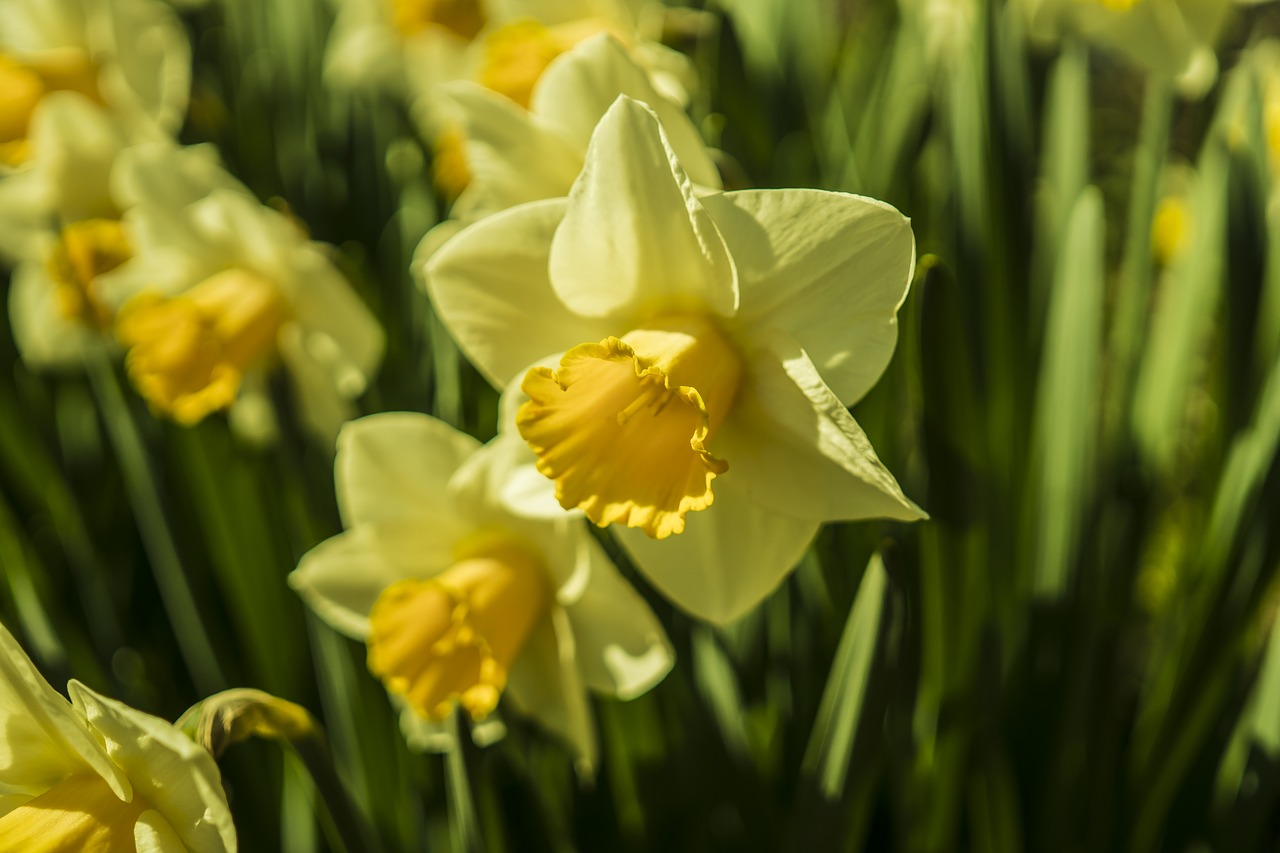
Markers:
(79, 813)
(623, 426)
(189, 353)
(463, 18)
(23, 84)
(84, 251)
(452, 638)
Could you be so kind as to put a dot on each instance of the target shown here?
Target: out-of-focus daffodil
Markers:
(516, 155)
(128, 56)
(461, 601)
(67, 238)
(504, 45)
(1172, 38)
(697, 356)
(94, 774)
(220, 290)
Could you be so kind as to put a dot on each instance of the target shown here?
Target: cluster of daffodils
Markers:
(676, 365)
(124, 241)
(95, 774)
(676, 362)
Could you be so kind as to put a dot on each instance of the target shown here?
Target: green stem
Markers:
(162, 553)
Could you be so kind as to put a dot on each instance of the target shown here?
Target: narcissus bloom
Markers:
(94, 774)
(1172, 38)
(688, 361)
(130, 57)
(459, 600)
(516, 155)
(221, 289)
(504, 45)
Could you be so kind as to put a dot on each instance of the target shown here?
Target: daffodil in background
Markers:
(94, 774)
(459, 600)
(516, 155)
(126, 59)
(701, 352)
(222, 289)
(1171, 38)
(56, 305)
(505, 45)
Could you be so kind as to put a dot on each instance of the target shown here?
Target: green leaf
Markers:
(831, 741)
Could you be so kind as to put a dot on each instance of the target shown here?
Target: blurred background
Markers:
(1079, 651)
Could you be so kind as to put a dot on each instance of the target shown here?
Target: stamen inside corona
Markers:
(623, 426)
(453, 638)
(189, 353)
(84, 251)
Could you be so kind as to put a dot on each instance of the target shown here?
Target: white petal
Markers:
(489, 285)
(729, 557)
(176, 776)
(153, 834)
(343, 576)
(341, 331)
(43, 740)
(322, 408)
(397, 465)
(579, 86)
(634, 234)
(513, 158)
(622, 649)
(793, 447)
(26, 204)
(150, 82)
(544, 683)
(75, 144)
(829, 268)
(45, 338)
(170, 177)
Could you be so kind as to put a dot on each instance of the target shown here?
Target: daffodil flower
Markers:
(688, 361)
(505, 45)
(130, 57)
(220, 290)
(459, 600)
(1171, 38)
(515, 155)
(69, 237)
(95, 774)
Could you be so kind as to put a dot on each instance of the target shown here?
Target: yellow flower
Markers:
(688, 360)
(94, 774)
(221, 290)
(461, 601)
(58, 220)
(49, 46)
(517, 155)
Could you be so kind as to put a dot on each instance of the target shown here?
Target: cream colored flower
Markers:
(459, 600)
(680, 352)
(515, 155)
(504, 45)
(130, 57)
(1172, 38)
(94, 774)
(221, 290)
